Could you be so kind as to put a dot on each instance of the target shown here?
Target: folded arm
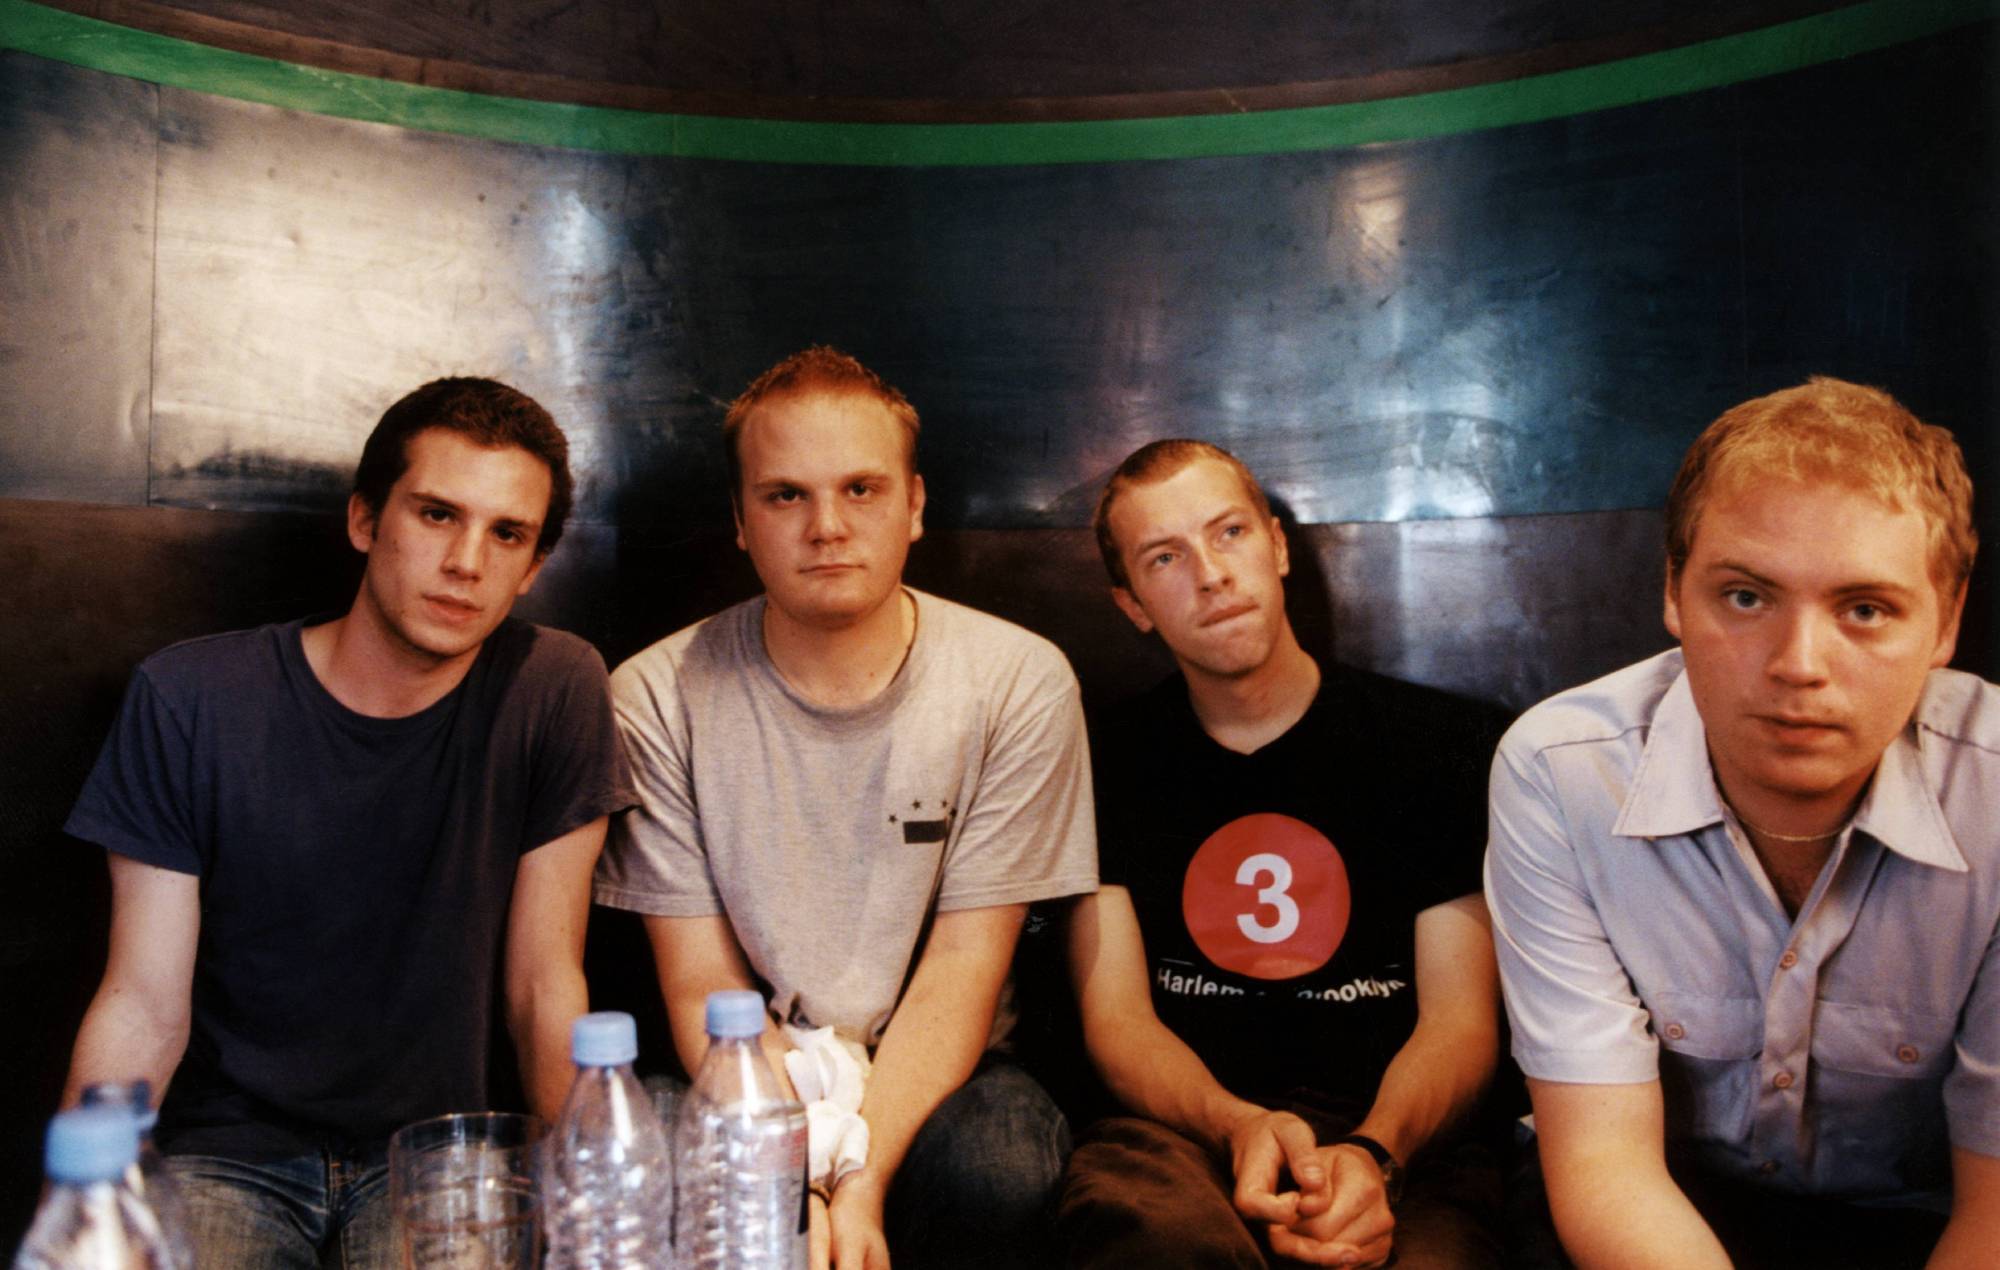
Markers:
(137, 1025)
(694, 957)
(933, 1042)
(1972, 1237)
(1433, 1081)
(1156, 1074)
(1604, 1162)
(544, 960)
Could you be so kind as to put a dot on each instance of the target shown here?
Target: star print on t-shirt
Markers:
(925, 823)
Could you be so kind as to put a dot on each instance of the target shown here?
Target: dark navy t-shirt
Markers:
(355, 871)
(1277, 892)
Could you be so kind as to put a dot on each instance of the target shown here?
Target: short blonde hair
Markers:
(1149, 465)
(816, 369)
(1829, 429)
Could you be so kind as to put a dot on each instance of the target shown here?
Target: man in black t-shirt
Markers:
(1288, 973)
(331, 840)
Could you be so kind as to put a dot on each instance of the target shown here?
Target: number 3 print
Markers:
(1266, 896)
(1279, 870)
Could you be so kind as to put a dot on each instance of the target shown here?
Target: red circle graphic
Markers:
(1266, 896)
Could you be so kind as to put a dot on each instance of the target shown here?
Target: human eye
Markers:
(1870, 612)
(1160, 559)
(860, 489)
(1234, 530)
(435, 514)
(509, 534)
(1741, 599)
(782, 496)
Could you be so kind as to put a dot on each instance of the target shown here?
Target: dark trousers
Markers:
(1138, 1194)
(978, 1184)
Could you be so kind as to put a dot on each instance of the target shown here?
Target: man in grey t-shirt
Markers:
(850, 792)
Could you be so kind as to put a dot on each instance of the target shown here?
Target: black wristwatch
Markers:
(1392, 1172)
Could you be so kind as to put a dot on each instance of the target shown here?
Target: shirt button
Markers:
(1675, 1031)
(1789, 960)
(1783, 1080)
(1907, 1054)
(1768, 1167)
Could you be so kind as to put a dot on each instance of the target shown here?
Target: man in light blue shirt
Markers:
(1745, 893)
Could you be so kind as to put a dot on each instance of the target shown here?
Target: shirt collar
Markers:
(1674, 792)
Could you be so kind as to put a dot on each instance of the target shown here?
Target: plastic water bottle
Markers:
(147, 1178)
(607, 1175)
(90, 1220)
(739, 1152)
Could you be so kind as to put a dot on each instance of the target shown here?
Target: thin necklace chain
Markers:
(1775, 836)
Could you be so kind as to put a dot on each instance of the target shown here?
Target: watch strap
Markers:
(1392, 1171)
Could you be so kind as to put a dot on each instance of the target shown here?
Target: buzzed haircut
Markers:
(1831, 430)
(483, 411)
(1151, 463)
(816, 369)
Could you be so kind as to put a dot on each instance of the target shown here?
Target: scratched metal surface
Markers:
(1525, 321)
(311, 270)
(76, 252)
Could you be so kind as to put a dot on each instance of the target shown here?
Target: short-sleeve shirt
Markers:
(1277, 892)
(1842, 1052)
(355, 872)
(830, 836)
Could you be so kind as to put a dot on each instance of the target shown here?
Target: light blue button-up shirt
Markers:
(1840, 1053)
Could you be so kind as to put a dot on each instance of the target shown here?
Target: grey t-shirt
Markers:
(828, 836)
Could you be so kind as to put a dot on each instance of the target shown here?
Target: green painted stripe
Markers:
(1861, 28)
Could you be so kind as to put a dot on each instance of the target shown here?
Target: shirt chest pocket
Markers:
(1709, 1048)
(1878, 1087)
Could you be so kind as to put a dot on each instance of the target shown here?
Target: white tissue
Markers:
(830, 1073)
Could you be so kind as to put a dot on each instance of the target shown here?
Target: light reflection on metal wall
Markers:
(76, 276)
(1509, 323)
(312, 270)
(1519, 321)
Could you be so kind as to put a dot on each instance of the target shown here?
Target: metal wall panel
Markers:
(312, 270)
(76, 281)
(1522, 321)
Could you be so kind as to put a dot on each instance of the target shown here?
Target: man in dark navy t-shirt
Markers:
(332, 841)
(1288, 973)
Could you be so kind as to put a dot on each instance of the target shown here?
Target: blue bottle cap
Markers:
(735, 1013)
(135, 1096)
(608, 1038)
(91, 1144)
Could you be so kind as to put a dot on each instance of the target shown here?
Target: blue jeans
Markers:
(978, 1186)
(328, 1208)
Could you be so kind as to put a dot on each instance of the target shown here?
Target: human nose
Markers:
(466, 555)
(1211, 570)
(827, 522)
(1800, 654)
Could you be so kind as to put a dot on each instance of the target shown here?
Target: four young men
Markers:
(1744, 894)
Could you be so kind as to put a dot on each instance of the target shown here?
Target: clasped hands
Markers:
(1339, 1213)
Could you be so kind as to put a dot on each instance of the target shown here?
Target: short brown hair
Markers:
(1153, 462)
(1829, 429)
(483, 411)
(816, 369)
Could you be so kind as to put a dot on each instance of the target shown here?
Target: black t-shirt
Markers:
(355, 871)
(1277, 892)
